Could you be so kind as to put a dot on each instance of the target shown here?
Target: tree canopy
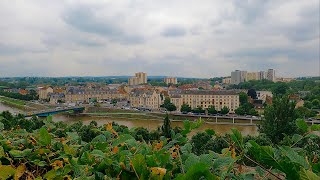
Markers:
(279, 119)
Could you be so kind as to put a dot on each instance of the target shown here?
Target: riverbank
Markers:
(19, 104)
(140, 115)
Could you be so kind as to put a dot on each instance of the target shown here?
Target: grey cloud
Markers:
(174, 31)
(84, 19)
(9, 50)
(14, 50)
(307, 27)
(263, 53)
(120, 37)
(250, 11)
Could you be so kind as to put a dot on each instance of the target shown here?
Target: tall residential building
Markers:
(139, 78)
(170, 80)
(252, 76)
(261, 75)
(238, 76)
(271, 75)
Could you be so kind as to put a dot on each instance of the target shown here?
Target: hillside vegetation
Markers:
(37, 149)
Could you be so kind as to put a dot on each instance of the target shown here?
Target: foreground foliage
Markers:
(49, 150)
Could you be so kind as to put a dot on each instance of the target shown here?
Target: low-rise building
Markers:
(282, 79)
(80, 95)
(23, 92)
(56, 98)
(44, 92)
(206, 98)
(203, 85)
(226, 81)
(149, 99)
(263, 95)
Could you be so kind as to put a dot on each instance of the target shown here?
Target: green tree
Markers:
(253, 112)
(168, 105)
(199, 109)
(243, 98)
(114, 102)
(280, 89)
(224, 110)
(307, 104)
(279, 119)
(185, 108)
(303, 112)
(166, 127)
(199, 141)
(316, 103)
(212, 110)
(141, 134)
(240, 110)
(171, 107)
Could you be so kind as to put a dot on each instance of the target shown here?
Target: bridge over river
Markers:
(48, 112)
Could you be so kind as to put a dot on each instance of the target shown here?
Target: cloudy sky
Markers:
(191, 38)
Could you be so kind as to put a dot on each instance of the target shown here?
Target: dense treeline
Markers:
(32, 95)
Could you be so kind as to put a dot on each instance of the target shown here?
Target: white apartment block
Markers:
(242, 76)
(206, 98)
(149, 99)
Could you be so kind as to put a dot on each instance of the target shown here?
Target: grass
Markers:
(12, 101)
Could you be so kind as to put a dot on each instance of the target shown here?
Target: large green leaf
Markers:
(222, 163)
(187, 127)
(6, 172)
(44, 137)
(263, 154)
(2, 154)
(198, 171)
(207, 158)
(191, 160)
(302, 125)
(99, 138)
(308, 175)
(140, 166)
(69, 150)
(20, 154)
(315, 127)
(294, 157)
(186, 149)
(1, 126)
(296, 138)
(121, 139)
(50, 174)
(237, 137)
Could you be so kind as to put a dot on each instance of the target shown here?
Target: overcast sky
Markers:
(191, 38)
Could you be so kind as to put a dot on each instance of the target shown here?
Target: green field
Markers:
(11, 101)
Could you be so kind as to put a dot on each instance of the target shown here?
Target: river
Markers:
(149, 124)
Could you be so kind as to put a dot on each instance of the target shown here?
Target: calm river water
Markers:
(149, 124)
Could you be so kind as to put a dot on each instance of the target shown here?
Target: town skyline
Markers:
(207, 39)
